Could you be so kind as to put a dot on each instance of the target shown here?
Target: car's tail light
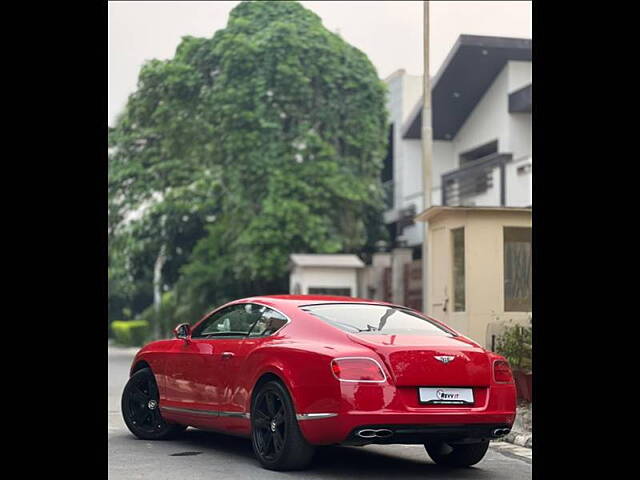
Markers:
(502, 372)
(357, 369)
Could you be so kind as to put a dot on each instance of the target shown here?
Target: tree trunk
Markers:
(157, 290)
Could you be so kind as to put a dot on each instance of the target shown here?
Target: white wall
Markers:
(412, 169)
(404, 93)
(395, 107)
(520, 74)
(519, 184)
(519, 123)
(488, 121)
(443, 162)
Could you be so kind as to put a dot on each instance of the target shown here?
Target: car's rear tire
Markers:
(141, 408)
(457, 455)
(275, 435)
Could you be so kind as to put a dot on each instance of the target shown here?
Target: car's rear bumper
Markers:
(420, 434)
(405, 427)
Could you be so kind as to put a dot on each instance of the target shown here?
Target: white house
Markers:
(325, 274)
(481, 120)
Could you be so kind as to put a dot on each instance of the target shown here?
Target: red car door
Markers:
(186, 382)
(199, 368)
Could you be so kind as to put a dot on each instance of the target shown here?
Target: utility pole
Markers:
(426, 152)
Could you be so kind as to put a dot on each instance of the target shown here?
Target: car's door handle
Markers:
(226, 355)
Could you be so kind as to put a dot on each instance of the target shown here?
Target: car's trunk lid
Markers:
(412, 359)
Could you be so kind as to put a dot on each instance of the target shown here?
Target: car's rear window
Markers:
(376, 319)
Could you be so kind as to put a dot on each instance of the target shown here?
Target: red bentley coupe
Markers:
(295, 371)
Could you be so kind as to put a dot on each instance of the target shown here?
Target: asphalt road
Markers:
(205, 455)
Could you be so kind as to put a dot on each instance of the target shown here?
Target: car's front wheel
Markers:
(463, 455)
(276, 438)
(141, 410)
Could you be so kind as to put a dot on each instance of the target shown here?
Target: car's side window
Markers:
(232, 322)
(269, 322)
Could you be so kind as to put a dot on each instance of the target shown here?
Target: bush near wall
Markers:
(515, 345)
(133, 333)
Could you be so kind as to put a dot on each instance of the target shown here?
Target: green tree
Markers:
(300, 119)
(280, 124)
(162, 185)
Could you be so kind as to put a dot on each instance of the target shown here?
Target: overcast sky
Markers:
(390, 33)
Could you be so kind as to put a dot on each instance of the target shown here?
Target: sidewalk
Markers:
(522, 433)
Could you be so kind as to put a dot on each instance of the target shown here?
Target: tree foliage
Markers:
(276, 127)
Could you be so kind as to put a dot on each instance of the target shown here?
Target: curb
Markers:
(520, 439)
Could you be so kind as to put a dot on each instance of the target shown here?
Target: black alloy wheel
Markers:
(275, 435)
(270, 425)
(141, 408)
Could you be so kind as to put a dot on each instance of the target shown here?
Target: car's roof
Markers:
(298, 300)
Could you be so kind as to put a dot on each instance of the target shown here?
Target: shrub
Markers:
(133, 333)
(515, 345)
(166, 316)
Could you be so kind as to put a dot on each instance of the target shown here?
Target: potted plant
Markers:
(515, 345)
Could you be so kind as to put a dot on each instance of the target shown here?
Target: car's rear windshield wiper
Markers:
(369, 328)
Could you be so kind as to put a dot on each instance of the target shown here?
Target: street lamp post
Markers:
(426, 152)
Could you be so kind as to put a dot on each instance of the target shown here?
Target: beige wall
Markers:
(484, 270)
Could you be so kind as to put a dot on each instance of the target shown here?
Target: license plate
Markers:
(446, 395)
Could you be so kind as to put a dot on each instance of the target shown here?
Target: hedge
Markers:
(133, 333)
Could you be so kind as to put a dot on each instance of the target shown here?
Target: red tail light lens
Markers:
(502, 372)
(357, 370)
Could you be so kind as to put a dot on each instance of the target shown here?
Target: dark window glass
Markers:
(387, 164)
(269, 323)
(345, 292)
(457, 237)
(376, 319)
(517, 269)
(234, 321)
(478, 153)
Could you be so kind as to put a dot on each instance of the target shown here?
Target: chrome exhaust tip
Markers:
(499, 432)
(371, 433)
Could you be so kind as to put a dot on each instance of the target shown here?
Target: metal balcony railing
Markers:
(461, 186)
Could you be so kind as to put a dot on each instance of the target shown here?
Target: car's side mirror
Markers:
(183, 331)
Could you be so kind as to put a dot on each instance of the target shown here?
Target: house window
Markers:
(517, 269)
(479, 152)
(344, 292)
(387, 164)
(457, 240)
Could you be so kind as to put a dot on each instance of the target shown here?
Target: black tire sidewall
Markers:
(293, 439)
(274, 386)
(167, 430)
(461, 456)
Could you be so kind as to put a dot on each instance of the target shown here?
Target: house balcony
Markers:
(481, 183)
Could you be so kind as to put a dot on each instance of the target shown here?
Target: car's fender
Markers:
(304, 368)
